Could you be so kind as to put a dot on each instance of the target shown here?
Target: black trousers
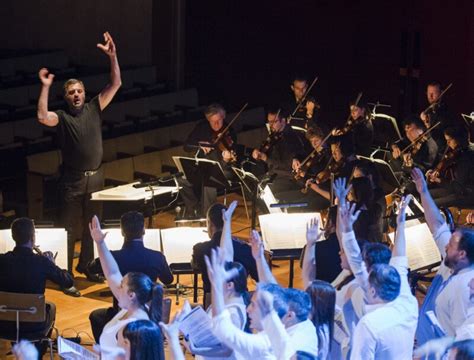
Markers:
(99, 318)
(196, 198)
(77, 211)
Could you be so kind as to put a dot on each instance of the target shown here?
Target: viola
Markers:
(272, 139)
(447, 162)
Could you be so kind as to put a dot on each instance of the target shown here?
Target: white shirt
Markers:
(109, 348)
(466, 330)
(246, 346)
(286, 342)
(386, 331)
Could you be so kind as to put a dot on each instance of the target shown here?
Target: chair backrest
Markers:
(31, 307)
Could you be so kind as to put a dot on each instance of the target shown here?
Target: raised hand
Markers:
(227, 214)
(46, 77)
(216, 271)
(347, 216)
(109, 46)
(419, 180)
(402, 208)
(313, 234)
(256, 244)
(96, 232)
(340, 189)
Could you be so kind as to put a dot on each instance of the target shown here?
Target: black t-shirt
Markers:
(80, 137)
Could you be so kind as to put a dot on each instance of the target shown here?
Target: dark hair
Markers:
(240, 280)
(434, 83)
(213, 109)
(459, 134)
(299, 77)
(375, 253)
(146, 340)
(323, 300)
(146, 291)
(132, 224)
(464, 349)
(299, 302)
(23, 230)
(363, 192)
(386, 281)
(214, 215)
(345, 143)
(72, 82)
(280, 304)
(414, 120)
(314, 131)
(303, 355)
(466, 242)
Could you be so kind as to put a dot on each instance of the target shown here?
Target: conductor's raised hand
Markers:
(46, 77)
(227, 214)
(96, 232)
(108, 47)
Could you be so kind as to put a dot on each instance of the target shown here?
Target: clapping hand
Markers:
(313, 234)
(109, 47)
(96, 232)
(227, 214)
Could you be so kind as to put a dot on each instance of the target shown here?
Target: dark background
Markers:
(238, 51)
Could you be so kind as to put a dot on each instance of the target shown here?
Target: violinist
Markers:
(202, 141)
(452, 180)
(437, 111)
(317, 159)
(306, 114)
(423, 154)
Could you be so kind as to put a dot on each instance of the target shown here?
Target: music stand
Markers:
(204, 172)
(389, 182)
(248, 185)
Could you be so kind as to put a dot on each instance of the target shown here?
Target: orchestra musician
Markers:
(284, 153)
(453, 177)
(437, 111)
(202, 141)
(306, 114)
(422, 155)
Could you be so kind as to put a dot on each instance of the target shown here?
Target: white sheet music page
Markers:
(197, 326)
(421, 247)
(285, 231)
(178, 243)
(72, 351)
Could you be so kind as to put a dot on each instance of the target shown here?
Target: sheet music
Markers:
(178, 243)
(114, 240)
(54, 240)
(70, 350)
(197, 326)
(285, 231)
(268, 198)
(421, 247)
(129, 193)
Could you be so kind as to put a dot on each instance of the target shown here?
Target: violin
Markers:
(448, 160)
(222, 140)
(272, 139)
(315, 155)
(416, 144)
(302, 103)
(350, 122)
(432, 108)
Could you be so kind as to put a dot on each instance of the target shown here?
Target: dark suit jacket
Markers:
(135, 257)
(242, 254)
(22, 271)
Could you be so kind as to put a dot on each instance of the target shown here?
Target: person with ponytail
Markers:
(138, 297)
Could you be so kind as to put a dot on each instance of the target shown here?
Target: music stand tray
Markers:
(202, 171)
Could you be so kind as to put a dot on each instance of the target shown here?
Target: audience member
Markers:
(138, 297)
(133, 257)
(142, 340)
(448, 295)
